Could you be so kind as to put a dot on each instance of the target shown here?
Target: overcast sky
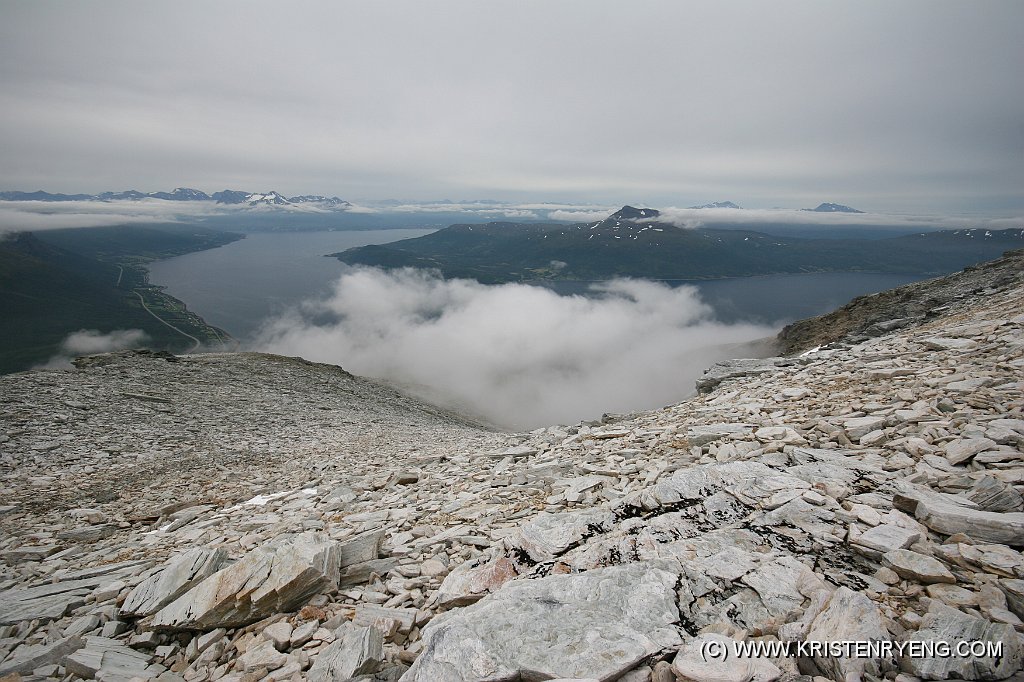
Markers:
(887, 106)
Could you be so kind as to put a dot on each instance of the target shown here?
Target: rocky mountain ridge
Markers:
(868, 316)
(251, 517)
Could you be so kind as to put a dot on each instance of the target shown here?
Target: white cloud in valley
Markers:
(520, 356)
(92, 341)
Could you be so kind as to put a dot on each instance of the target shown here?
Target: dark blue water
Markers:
(776, 299)
(239, 285)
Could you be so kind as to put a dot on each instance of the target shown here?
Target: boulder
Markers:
(991, 494)
(277, 577)
(1014, 591)
(858, 427)
(848, 616)
(945, 624)
(783, 585)
(362, 548)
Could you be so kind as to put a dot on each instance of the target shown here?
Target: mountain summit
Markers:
(633, 213)
(832, 208)
(718, 204)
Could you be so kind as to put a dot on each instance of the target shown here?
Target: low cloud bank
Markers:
(692, 218)
(18, 216)
(91, 341)
(520, 356)
(580, 216)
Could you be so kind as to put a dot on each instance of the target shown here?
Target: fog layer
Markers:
(519, 356)
(92, 341)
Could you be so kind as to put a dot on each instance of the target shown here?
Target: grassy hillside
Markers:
(503, 252)
(55, 283)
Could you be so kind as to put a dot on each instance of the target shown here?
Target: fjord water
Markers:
(239, 285)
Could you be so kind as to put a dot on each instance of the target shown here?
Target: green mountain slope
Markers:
(55, 283)
(631, 245)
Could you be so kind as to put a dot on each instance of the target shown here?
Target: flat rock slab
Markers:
(549, 535)
(359, 652)
(919, 567)
(277, 577)
(108, 655)
(702, 481)
(701, 435)
(962, 449)
(945, 624)
(28, 658)
(598, 624)
(858, 427)
(885, 538)
(45, 602)
(1006, 528)
(940, 343)
(24, 553)
(178, 576)
(50, 601)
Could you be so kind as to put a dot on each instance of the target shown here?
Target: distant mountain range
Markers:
(717, 204)
(637, 242)
(832, 208)
(275, 199)
(228, 196)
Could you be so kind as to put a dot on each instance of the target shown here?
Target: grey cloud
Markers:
(16, 216)
(893, 106)
(689, 218)
(518, 355)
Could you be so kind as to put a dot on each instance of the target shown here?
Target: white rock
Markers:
(945, 624)
(598, 624)
(276, 577)
(696, 662)
(178, 576)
